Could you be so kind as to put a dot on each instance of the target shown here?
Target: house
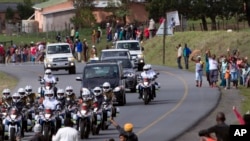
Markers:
(55, 15)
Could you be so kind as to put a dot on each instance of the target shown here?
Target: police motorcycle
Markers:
(84, 114)
(12, 124)
(108, 109)
(47, 85)
(49, 115)
(97, 110)
(3, 115)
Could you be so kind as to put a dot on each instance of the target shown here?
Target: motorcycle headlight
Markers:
(83, 112)
(140, 55)
(13, 117)
(71, 59)
(49, 60)
(117, 89)
(4, 114)
(47, 116)
(145, 83)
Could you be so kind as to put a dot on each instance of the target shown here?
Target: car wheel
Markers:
(72, 70)
(125, 99)
(133, 90)
(140, 67)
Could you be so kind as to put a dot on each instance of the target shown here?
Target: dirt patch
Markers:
(229, 98)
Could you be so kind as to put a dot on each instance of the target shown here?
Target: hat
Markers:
(37, 128)
(128, 127)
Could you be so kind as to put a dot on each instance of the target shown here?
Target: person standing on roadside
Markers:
(72, 34)
(221, 129)
(198, 70)
(127, 130)
(186, 53)
(79, 50)
(85, 50)
(67, 133)
(213, 69)
(207, 68)
(179, 55)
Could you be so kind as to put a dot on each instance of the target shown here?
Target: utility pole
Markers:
(164, 39)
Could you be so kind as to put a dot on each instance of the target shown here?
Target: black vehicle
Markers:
(128, 71)
(95, 74)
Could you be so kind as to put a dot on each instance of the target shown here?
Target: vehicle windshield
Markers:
(129, 46)
(114, 54)
(58, 49)
(101, 71)
(125, 62)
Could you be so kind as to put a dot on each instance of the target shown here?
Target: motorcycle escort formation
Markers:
(91, 111)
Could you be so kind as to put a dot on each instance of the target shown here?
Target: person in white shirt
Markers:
(67, 133)
(213, 69)
(179, 54)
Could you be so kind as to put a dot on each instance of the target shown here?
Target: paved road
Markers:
(177, 107)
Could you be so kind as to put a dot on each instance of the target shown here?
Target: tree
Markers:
(25, 9)
(83, 13)
(120, 10)
(247, 10)
(9, 13)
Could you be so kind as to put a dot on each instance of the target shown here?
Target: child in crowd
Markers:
(227, 77)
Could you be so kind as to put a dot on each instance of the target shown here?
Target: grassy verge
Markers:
(7, 81)
(199, 42)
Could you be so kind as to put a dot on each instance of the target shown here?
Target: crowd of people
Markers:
(230, 69)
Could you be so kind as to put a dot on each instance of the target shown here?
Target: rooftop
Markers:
(48, 3)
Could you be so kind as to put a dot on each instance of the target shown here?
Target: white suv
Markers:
(59, 56)
(135, 50)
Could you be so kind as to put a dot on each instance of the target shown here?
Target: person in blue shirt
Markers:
(79, 50)
(186, 54)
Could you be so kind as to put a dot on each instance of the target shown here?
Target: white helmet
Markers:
(85, 94)
(97, 91)
(6, 93)
(21, 91)
(106, 87)
(149, 66)
(145, 67)
(69, 90)
(60, 94)
(48, 71)
(16, 97)
(49, 94)
(28, 90)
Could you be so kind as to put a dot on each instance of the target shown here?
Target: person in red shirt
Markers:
(146, 33)
(2, 54)
(33, 51)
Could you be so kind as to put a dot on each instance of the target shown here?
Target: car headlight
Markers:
(71, 59)
(49, 60)
(140, 55)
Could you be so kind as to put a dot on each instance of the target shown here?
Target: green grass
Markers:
(7, 81)
(217, 41)
(19, 1)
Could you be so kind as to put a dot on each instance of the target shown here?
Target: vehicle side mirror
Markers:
(142, 48)
(78, 79)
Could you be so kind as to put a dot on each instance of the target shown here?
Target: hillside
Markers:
(217, 41)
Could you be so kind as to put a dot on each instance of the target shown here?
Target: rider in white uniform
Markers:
(49, 77)
(50, 101)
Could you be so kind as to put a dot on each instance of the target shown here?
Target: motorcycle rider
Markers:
(70, 96)
(107, 92)
(99, 98)
(50, 102)
(48, 85)
(6, 98)
(49, 77)
(31, 96)
(146, 74)
(85, 103)
(61, 96)
(21, 92)
(154, 74)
